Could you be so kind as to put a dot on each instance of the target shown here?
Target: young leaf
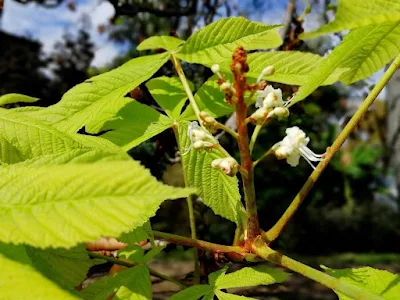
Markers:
(22, 281)
(169, 94)
(66, 267)
(132, 283)
(137, 235)
(217, 41)
(23, 138)
(225, 296)
(214, 276)
(47, 205)
(357, 13)
(193, 292)
(81, 104)
(217, 190)
(209, 98)
(364, 51)
(291, 67)
(15, 98)
(169, 43)
(134, 124)
(379, 282)
(250, 276)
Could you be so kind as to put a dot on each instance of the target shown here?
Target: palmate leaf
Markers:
(193, 292)
(210, 99)
(357, 13)
(225, 296)
(250, 276)
(81, 104)
(15, 98)
(134, 124)
(364, 51)
(169, 94)
(24, 138)
(217, 41)
(63, 205)
(66, 267)
(291, 67)
(217, 190)
(169, 43)
(378, 282)
(130, 284)
(22, 281)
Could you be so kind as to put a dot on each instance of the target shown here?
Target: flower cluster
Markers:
(294, 145)
(227, 165)
(269, 104)
(199, 138)
(208, 121)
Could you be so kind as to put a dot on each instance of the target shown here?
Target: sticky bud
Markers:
(215, 68)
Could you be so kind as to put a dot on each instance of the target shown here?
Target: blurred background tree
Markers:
(354, 206)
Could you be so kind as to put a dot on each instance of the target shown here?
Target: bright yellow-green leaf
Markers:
(63, 205)
(130, 284)
(192, 293)
(22, 281)
(169, 43)
(217, 190)
(169, 94)
(358, 13)
(217, 41)
(84, 102)
(378, 282)
(15, 98)
(225, 296)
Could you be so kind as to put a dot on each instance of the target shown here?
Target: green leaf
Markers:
(137, 235)
(378, 282)
(209, 98)
(134, 124)
(250, 276)
(15, 98)
(23, 138)
(81, 104)
(209, 296)
(169, 94)
(291, 67)
(63, 205)
(192, 293)
(357, 13)
(22, 281)
(217, 190)
(130, 284)
(214, 276)
(67, 267)
(153, 253)
(364, 51)
(134, 253)
(169, 43)
(225, 296)
(217, 41)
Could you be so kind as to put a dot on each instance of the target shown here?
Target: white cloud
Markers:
(49, 24)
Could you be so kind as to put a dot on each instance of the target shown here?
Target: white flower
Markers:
(227, 165)
(199, 138)
(269, 98)
(294, 145)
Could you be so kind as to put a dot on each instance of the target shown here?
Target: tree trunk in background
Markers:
(393, 127)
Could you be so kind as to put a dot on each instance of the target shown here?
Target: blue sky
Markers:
(49, 25)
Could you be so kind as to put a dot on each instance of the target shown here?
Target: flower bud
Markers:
(265, 72)
(280, 112)
(226, 86)
(227, 165)
(215, 68)
(259, 116)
